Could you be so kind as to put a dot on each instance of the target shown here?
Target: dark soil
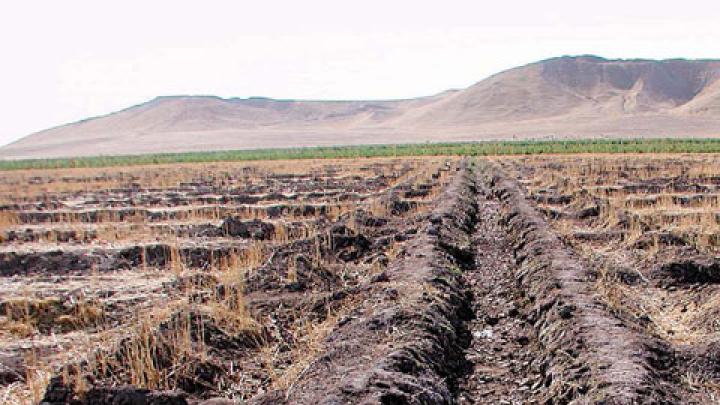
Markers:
(504, 347)
(481, 302)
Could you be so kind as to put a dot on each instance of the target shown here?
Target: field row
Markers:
(532, 279)
(231, 271)
(360, 152)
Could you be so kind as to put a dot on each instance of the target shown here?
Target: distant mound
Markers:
(566, 97)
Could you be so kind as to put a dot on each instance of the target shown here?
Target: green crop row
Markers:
(364, 151)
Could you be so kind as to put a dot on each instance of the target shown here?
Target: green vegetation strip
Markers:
(366, 151)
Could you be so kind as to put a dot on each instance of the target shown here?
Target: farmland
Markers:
(429, 279)
(646, 228)
(485, 148)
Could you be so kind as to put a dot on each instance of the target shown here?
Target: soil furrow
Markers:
(588, 355)
(405, 343)
(504, 345)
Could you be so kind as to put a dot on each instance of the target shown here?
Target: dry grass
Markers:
(31, 387)
(701, 383)
(39, 183)
(664, 208)
(658, 206)
(143, 354)
(310, 339)
(154, 357)
(25, 316)
(126, 349)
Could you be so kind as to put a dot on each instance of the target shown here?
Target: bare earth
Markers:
(547, 279)
(567, 97)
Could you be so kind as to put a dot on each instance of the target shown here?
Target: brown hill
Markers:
(568, 97)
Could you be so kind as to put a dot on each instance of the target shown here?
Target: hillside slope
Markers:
(584, 96)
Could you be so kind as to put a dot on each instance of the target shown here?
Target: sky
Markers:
(64, 61)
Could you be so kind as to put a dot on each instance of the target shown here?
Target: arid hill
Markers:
(566, 97)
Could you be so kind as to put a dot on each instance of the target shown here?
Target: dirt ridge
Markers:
(589, 355)
(406, 344)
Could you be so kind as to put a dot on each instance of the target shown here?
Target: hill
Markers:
(566, 97)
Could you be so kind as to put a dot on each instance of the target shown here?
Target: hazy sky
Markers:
(67, 60)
